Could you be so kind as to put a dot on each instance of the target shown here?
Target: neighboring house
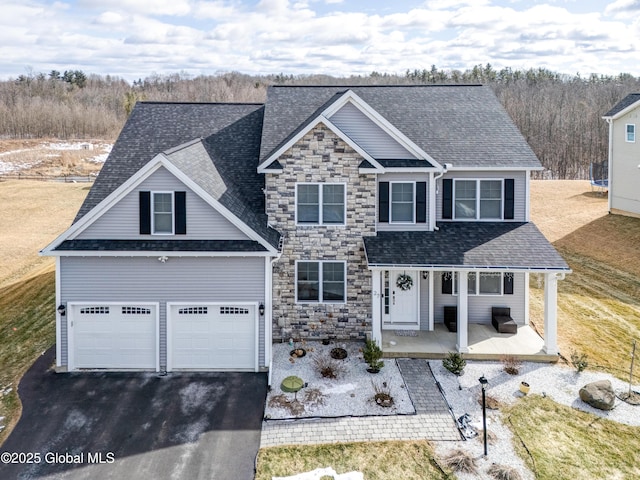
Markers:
(215, 229)
(624, 156)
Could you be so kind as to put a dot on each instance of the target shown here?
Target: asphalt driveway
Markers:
(135, 425)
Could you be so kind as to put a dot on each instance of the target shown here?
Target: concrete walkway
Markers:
(432, 420)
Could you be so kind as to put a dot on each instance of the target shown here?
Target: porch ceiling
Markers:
(504, 245)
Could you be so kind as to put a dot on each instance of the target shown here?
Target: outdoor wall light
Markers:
(261, 309)
(62, 310)
(425, 275)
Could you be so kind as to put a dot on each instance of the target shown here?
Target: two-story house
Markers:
(329, 211)
(624, 156)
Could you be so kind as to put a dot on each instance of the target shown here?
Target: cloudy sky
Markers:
(135, 38)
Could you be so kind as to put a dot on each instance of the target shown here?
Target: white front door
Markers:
(403, 303)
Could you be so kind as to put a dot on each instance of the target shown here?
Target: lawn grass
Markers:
(563, 443)
(27, 329)
(376, 460)
(599, 303)
(32, 215)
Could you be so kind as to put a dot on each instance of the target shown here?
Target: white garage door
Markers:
(212, 336)
(113, 336)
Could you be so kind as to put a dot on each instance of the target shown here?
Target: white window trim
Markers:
(626, 134)
(477, 217)
(320, 205)
(476, 291)
(153, 216)
(320, 281)
(413, 209)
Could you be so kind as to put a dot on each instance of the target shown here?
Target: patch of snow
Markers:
(318, 473)
(12, 152)
(101, 158)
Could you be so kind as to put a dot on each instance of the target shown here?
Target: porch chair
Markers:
(502, 321)
(451, 318)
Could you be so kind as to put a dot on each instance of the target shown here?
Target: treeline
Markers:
(559, 115)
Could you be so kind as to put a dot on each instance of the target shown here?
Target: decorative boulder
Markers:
(598, 394)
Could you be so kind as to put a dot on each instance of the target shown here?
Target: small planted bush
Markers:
(580, 361)
(460, 461)
(372, 354)
(503, 472)
(328, 367)
(511, 364)
(454, 363)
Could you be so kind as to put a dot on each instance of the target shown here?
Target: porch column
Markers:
(430, 294)
(463, 313)
(376, 296)
(551, 313)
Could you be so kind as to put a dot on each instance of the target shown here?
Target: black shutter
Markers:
(383, 202)
(421, 202)
(509, 198)
(507, 283)
(180, 220)
(145, 213)
(447, 283)
(447, 198)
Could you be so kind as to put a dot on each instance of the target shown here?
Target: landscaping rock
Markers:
(599, 395)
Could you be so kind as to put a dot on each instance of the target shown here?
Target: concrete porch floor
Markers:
(484, 344)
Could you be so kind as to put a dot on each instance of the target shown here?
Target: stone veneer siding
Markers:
(321, 156)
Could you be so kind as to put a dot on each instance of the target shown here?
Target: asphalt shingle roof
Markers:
(162, 245)
(470, 244)
(622, 104)
(464, 125)
(230, 136)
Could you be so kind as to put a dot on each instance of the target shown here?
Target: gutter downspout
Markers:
(610, 166)
(447, 166)
(270, 293)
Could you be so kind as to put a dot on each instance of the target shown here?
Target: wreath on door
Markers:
(404, 282)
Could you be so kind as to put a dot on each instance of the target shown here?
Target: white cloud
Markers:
(131, 39)
(623, 6)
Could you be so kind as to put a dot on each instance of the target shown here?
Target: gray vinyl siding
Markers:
(367, 134)
(122, 221)
(520, 189)
(180, 279)
(480, 305)
(424, 302)
(403, 177)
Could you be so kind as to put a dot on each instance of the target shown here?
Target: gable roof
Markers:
(464, 125)
(623, 105)
(155, 127)
(229, 136)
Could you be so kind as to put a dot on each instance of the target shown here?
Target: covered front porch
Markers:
(484, 344)
(463, 288)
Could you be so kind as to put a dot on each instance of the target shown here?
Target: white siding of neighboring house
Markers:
(121, 221)
(480, 305)
(403, 177)
(520, 189)
(367, 134)
(624, 184)
(143, 279)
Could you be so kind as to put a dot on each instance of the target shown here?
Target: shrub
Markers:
(382, 394)
(328, 367)
(372, 354)
(580, 361)
(502, 472)
(511, 364)
(460, 461)
(454, 363)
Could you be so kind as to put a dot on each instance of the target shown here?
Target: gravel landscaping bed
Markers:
(351, 394)
(557, 382)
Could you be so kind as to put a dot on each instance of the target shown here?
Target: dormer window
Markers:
(320, 203)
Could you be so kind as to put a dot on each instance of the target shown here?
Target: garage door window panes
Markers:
(320, 282)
